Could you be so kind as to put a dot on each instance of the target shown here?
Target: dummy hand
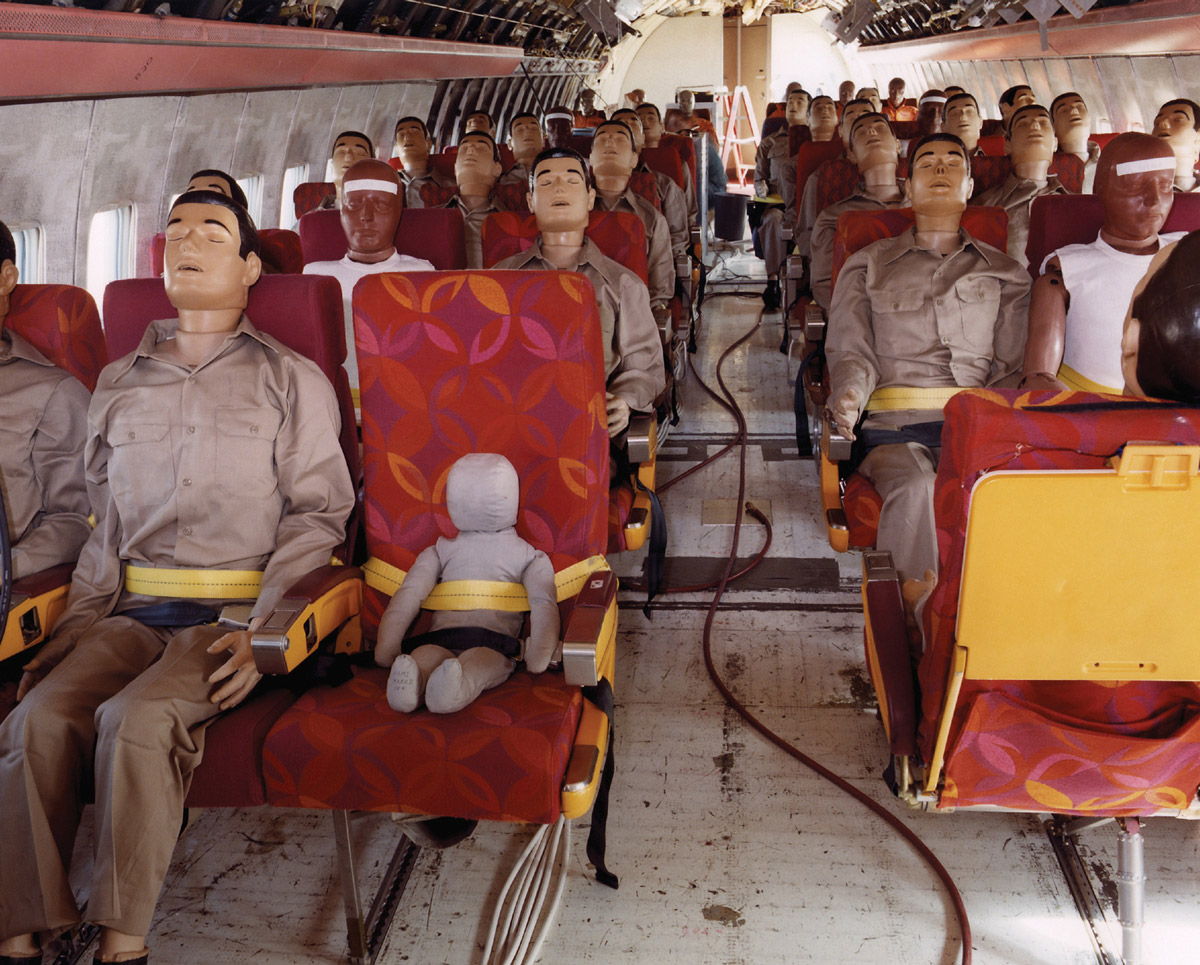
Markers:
(239, 668)
(46, 660)
(845, 410)
(618, 414)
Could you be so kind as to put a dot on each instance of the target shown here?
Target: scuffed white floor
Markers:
(728, 851)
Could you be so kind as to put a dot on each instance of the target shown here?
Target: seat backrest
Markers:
(1102, 139)
(453, 363)
(511, 196)
(810, 156)
(857, 229)
(435, 234)
(582, 142)
(773, 123)
(798, 134)
(1058, 220)
(992, 144)
(444, 163)
(836, 181)
(665, 160)
(309, 195)
(989, 172)
(682, 145)
(62, 323)
(618, 234)
(991, 126)
(643, 183)
(281, 251)
(906, 130)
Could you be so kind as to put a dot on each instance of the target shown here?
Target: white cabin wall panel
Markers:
(1156, 84)
(43, 156)
(1039, 80)
(313, 128)
(262, 147)
(204, 133)
(982, 83)
(1122, 93)
(1086, 82)
(1059, 75)
(683, 52)
(1187, 75)
(800, 50)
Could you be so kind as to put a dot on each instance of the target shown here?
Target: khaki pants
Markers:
(904, 475)
(770, 236)
(125, 713)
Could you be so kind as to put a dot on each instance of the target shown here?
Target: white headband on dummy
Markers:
(560, 116)
(931, 100)
(370, 184)
(1146, 164)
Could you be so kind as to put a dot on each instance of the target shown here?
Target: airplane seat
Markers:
(992, 145)
(582, 143)
(773, 123)
(682, 145)
(906, 130)
(810, 156)
(280, 249)
(309, 196)
(643, 183)
(1102, 139)
(507, 159)
(435, 234)
(989, 172)
(544, 758)
(61, 322)
(992, 126)
(434, 195)
(665, 160)
(1069, 169)
(396, 164)
(443, 163)
(512, 197)
(798, 134)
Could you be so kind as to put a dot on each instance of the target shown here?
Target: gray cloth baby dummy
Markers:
(482, 494)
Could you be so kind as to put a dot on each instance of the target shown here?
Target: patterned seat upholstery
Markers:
(992, 144)
(309, 195)
(1078, 747)
(512, 197)
(810, 156)
(836, 181)
(434, 195)
(798, 134)
(453, 363)
(618, 234)
(435, 234)
(682, 145)
(989, 172)
(643, 183)
(280, 250)
(61, 322)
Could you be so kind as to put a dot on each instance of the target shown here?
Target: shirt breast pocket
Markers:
(246, 451)
(979, 303)
(17, 428)
(898, 319)
(141, 470)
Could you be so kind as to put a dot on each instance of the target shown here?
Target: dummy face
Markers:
(526, 138)
(558, 129)
(963, 120)
(939, 179)
(633, 121)
(1024, 95)
(652, 129)
(687, 101)
(846, 92)
(475, 162)
(561, 197)
(896, 91)
(1176, 125)
(796, 108)
(202, 265)
(412, 144)
(370, 211)
(1030, 137)
(849, 116)
(823, 116)
(347, 150)
(479, 121)
(637, 96)
(873, 143)
(1071, 120)
(587, 100)
(871, 94)
(929, 115)
(612, 152)
(1136, 205)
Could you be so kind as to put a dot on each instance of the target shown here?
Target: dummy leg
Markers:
(46, 747)
(771, 234)
(149, 739)
(458, 681)
(903, 475)
(410, 673)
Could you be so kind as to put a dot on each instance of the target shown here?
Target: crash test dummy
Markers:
(476, 169)
(871, 94)
(650, 135)
(685, 118)
(560, 197)
(963, 120)
(348, 147)
(479, 121)
(1014, 98)
(875, 152)
(412, 147)
(930, 308)
(371, 212)
(775, 191)
(44, 414)
(559, 124)
(822, 118)
(1073, 127)
(930, 117)
(614, 155)
(845, 95)
(653, 128)
(1079, 301)
(1178, 123)
(1160, 345)
(895, 107)
(210, 447)
(1030, 143)
(526, 141)
(467, 652)
(587, 115)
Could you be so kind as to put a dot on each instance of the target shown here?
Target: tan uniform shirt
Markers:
(412, 186)
(43, 426)
(908, 316)
(633, 356)
(1016, 196)
(232, 465)
(517, 174)
(675, 210)
(473, 225)
(661, 266)
(825, 230)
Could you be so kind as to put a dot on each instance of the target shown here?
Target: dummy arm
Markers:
(538, 579)
(406, 603)
(1048, 306)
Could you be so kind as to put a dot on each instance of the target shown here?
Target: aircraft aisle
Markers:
(728, 851)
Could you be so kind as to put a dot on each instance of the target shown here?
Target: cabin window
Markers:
(29, 261)
(293, 177)
(252, 185)
(110, 248)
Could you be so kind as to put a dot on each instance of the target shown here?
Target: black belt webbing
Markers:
(602, 696)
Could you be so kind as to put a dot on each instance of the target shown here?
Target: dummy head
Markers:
(348, 147)
(652, 127)
(637, 96)
(1014, 97)
(525, 137)
(896, 91)
(8, 269)
(632, 120)
(1029, 137)
(930, 112)
(852, 112)
(477, 163)
(558, 122)
(587, 102)
(1178, 123)
(845, 92)
(1160, 348)
(1072, 124)
(613, 150)
(963, 119)
(483, 493)
(872, 142)
(795, 107)
(687, 101)
(1134, 180)
(479, 121)
(939, 176)
(371, 205)
(412, 143)
(560, 194)
(211, 179)
(952, 89)
(211, 254)
(822, 117)
(871, 94)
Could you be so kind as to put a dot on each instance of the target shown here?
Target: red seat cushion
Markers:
(665, 160)
(309, 195)
(501, 759)
(798, 134)
(682, 145)
(62, 323)
(861, 503)
(810, 156)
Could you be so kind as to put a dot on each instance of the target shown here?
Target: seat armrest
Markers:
(36, 603)
(683, 269)
(314, 607)
(835, 445)
(888, 657)
(639, 438)
(588, 635)
(814, 323)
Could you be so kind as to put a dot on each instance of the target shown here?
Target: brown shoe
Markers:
(35, 959)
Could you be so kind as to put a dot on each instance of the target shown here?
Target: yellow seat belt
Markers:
(1081, 383)
(193, 584)
(895, 397)
(482, 594)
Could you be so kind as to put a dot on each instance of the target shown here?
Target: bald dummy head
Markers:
(1134, 178)
(1160, 350)
(371, 204)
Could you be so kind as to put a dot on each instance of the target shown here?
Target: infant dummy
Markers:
(469, 651)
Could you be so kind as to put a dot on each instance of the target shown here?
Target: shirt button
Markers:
(187, 482)
(191, 378)
(945, 341)
(133, 435)
(253, 429)
(191, 430)
(186, 531)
